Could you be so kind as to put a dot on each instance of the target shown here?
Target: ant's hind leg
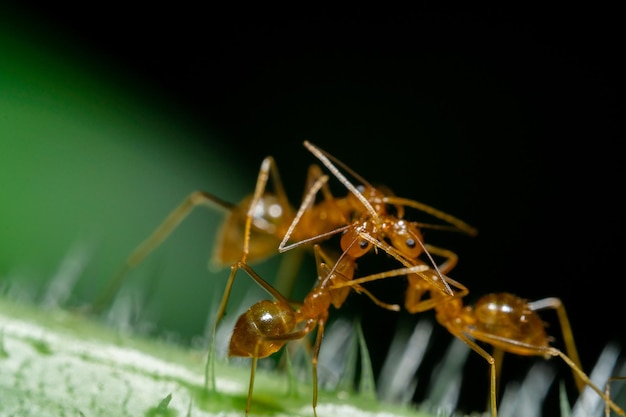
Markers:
(566, 329)
(607, 392)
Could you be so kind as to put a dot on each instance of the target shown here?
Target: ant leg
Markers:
(325, 159)
(170, 223)
(314, 174)
(305, 330)
(566, 329)
(451, 257)
(609, 404)
(252, 374)
(530, 349)
(321, 325)
(386, 306)
(307, 203)
(492, 368)
(607, 392)
(498, 357)
(458, 225)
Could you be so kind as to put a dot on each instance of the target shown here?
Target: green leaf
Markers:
(57, 363)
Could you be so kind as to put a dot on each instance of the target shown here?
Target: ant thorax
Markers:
(269, 214)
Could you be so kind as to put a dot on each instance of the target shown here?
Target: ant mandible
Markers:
(505, 321)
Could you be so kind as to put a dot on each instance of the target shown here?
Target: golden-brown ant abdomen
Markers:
(263, 319)
(505, 315)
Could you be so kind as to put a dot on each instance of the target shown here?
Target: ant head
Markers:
(353, 244)
(406, 238)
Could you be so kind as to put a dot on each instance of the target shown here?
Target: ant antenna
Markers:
(324, 158)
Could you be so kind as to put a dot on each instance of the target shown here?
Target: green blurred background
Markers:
(513, 123)
(91, 161)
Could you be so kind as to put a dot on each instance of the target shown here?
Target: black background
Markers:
(512, 122)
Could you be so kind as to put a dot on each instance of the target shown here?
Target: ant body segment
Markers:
(505, 321)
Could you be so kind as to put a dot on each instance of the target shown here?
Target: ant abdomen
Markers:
(264, 319)
(508, 316)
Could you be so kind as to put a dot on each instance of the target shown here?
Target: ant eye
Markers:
(410, 243)
(363, 244)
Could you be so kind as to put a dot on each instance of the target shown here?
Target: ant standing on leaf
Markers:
(506, 322)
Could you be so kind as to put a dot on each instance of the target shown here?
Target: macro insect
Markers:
(268, 325)
(505, 321)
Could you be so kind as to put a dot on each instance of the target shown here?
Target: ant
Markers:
(268, 325)
(505, 321)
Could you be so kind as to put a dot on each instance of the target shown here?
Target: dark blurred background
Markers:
(512, 122)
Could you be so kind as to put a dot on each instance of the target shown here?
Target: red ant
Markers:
(503, 320)
(268, 325)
